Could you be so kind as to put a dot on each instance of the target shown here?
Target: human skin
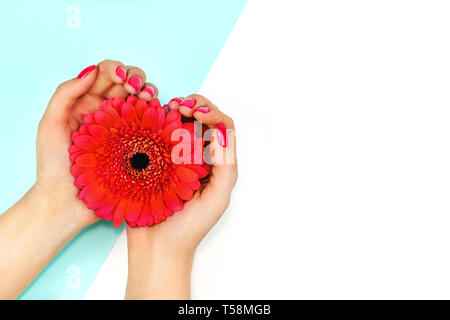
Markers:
(50, 214)
(160, 258)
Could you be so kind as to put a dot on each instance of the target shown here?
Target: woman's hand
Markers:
(39, 225)
(160, 257)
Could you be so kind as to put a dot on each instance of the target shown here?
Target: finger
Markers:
(185, 105)
(222, 147)
(135, 80)
(207, 113)
(68, 92)
(173, 104)
(110, 72)
(86, 104)
(148, 92)
(116, 90)
(224, 168)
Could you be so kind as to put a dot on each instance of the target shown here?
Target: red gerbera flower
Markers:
(122, 162)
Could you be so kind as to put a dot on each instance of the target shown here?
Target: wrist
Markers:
(54, 208)
(157, 270)
(32, 233)
(150, 241)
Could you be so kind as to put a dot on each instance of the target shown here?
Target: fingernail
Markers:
(173, 105)
(222, 134)
(121, 73)
(149, 90)
(135, 82)
(202, 109)
(188, 102)
(86, 71)
(177, 99)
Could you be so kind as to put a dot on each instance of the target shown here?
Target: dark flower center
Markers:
(139, 161)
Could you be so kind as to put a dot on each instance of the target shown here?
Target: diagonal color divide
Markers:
(175, 42)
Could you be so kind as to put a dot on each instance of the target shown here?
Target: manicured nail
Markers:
(149, 90)
(173, 105)
(135, 82)
(222, 135)
(121, 73)
(177, 99)
(188, 102)
(202, 109)
(86, 71)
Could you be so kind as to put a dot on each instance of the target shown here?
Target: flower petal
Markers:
(167, 132)
(107, 207)
(133, 210)
(117, 120)
(160, 219)
(194, 185)
(120, 213)
(86, 178)
(73, 136)
(76, 170)
(157, 204)
(173, 115)
(83, 129)
(184, 191)
(74, 156)
(128, 113)
(118, 101)
(140, 107)
(172, 201)
(86, 160)
(149, 118)
(104, 119)
(189, 126)
(151, 221)
(131, 224)
(160, 116)
(132, 99)
(73, 148)
(168, 212)
(103, 105)
(154, 103)
(87, 143)
(145, 213)
(89, 118)
(201, 171)
(186, 174)
(98, 132)
(76, 184)
(94, 193)
(94, 205)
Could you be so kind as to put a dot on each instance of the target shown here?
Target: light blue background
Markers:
(174, 42)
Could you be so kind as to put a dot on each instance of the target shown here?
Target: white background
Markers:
(342, 111)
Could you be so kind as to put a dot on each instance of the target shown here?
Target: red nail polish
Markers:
(149, 90)
(135, 82)
(222, 135)
(86, 71)
(202, 109)
(121, 73)
(188, 102)
(177, 99)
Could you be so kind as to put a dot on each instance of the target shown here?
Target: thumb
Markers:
(68, 92)
(224, 161)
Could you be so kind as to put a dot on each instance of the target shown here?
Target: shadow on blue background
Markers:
(174, 42)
